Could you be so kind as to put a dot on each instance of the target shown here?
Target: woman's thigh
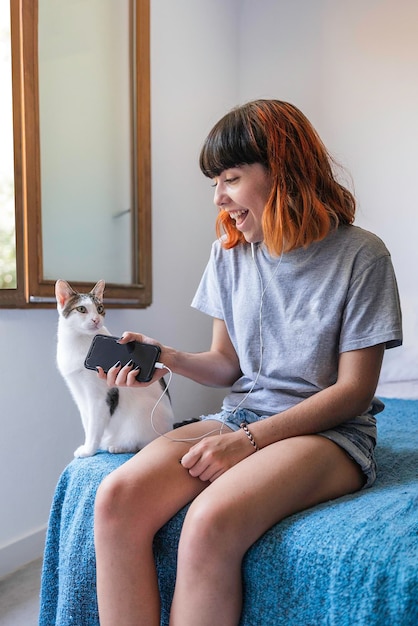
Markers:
(154, 480)
(271, 484)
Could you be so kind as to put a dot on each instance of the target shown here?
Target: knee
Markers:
(110, 499)
(207, 533)
(116, 508)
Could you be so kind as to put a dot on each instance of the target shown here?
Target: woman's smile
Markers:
(238, 216)
(243, 192)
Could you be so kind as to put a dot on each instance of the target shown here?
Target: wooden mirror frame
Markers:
(33, 291)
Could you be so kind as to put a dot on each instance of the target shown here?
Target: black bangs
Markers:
(232, 141)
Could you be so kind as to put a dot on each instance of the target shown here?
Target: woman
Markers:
(303, 306)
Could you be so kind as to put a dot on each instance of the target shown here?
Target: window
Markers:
(37, 211)
(8, 279)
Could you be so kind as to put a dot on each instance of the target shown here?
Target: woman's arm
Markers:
(351, 395)
(348, 397)
(218, 367)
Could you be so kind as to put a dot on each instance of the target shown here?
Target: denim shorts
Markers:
(356, 437)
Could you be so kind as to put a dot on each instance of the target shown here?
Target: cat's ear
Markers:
(98, 290)
(63, 292)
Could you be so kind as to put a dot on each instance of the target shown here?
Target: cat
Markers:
(114, 419)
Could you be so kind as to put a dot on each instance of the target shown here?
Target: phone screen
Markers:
(105, 351)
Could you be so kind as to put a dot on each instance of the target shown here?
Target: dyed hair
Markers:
(306, 200)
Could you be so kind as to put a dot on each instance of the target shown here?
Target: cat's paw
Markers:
(121, 450)
(84, 451)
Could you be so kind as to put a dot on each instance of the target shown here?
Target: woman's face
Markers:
(243, 192)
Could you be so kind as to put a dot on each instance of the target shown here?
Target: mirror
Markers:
(85, 130)
(82, 148)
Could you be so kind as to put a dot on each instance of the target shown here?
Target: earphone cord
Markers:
(260, 326)
(260, 321)
(167, 436)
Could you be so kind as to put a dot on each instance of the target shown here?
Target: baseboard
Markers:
(23, 551)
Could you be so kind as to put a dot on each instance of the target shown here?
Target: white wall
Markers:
(349, 67)
(352, 69)
(191, 87)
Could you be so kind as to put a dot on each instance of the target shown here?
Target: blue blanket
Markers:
(352, 561)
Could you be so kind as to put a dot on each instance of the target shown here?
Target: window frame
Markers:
(32, 290)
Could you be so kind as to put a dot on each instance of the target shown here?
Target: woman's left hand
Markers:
(215, 454)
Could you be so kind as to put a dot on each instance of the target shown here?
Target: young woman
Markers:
(303, 306)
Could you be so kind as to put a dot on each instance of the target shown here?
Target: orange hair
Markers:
(306, 200)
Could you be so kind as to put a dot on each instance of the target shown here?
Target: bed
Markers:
(348, 562)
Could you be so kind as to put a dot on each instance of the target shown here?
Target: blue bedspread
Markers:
(352, 561)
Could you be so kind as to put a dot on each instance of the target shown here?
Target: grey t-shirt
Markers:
(339, 294)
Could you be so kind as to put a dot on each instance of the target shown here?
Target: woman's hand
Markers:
(217, 367)
(216, 454)
(119, 376)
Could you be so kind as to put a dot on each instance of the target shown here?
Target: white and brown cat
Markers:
(114, 419)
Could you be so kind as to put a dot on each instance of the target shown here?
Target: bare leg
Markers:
(132, 504)
(235, 510)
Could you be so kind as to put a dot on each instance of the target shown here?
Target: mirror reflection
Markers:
(86, 104)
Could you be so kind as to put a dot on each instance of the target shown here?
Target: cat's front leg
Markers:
(89, 447)
(94, 426)
(85, 450)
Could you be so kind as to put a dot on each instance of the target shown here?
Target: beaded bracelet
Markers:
(249, 435)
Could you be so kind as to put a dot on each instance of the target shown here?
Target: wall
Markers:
(349, 67)
(191, 88)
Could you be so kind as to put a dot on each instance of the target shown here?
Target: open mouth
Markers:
(238, 216)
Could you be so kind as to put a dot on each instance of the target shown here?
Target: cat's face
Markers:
(82, 312)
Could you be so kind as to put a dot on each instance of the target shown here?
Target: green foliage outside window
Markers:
(7, 214)
(7, 237)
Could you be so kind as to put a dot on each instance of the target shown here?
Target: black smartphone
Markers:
(106, 352)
